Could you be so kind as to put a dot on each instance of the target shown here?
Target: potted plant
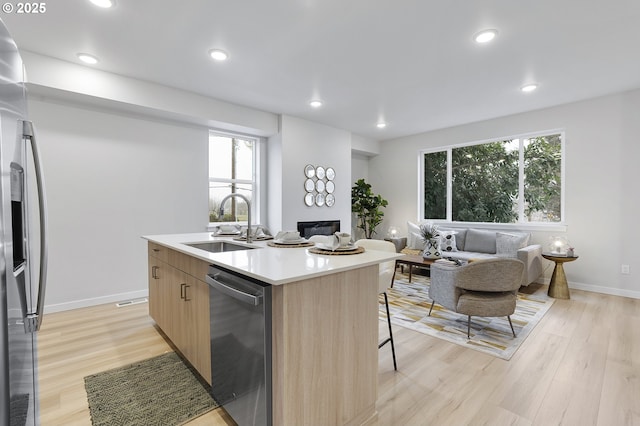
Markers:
(366, 205)
(431, 237)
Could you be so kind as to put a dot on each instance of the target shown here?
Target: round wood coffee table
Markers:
(558, 287)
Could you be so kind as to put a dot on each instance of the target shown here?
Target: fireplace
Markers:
(320, 227)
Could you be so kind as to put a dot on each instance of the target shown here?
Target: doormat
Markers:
(158, 391)
(409, 305)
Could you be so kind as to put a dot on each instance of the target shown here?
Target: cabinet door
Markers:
(179, 304)
(158, 299)
(176, 290)
(195, 322)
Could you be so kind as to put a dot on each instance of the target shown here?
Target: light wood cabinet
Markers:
(179, 304)
(324, 337)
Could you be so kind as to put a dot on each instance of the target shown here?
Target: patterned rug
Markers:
(409, 306)
(157, 391)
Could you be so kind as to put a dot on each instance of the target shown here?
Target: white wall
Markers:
(111, 179)
(359, 167)
(52, 77)
(602, 151)
(299, 143)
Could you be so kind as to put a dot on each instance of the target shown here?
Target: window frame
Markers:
(520, 223)
(257, 175)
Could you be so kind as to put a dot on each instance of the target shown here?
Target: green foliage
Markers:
(428, 231)
(485, 181)
(366, 205)
(542, 191)
(435, 179)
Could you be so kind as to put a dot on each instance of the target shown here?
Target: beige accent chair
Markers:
(485, 288)
(385, 280)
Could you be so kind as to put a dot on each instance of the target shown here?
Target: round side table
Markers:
(558, 287)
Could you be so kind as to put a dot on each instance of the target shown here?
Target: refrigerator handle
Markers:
(36, 318)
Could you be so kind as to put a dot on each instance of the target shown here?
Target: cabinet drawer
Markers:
(193, 266)
(159, 252)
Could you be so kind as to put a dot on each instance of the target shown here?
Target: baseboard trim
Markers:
(85, 303)
(605, 290)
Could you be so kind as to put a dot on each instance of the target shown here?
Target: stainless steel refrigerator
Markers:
(23, 246)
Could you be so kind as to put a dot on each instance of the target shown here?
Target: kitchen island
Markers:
(324, 321)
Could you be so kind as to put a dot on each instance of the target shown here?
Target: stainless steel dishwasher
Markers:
(240, 315)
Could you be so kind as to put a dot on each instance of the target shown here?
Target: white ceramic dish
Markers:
(298, 241)
(350, 247)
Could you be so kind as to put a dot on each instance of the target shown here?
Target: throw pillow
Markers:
(448, 241)
(480, 241)
(460, 236)
(507, 245)
(414, 237)
(415, 241)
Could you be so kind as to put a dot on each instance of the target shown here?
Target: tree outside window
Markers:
(231, 170)
(486, 181)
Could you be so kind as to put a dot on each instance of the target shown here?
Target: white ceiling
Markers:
(411, 63)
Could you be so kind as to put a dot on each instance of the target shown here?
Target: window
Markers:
(516, 180)
(232, 169)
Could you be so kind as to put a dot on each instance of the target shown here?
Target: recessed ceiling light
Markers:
(485, 36)
(87, 59)
(218, 55)
(381, 125)
(529, 87)
(315, 103)
(104, 3)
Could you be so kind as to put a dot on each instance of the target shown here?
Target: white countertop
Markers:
(272, 265)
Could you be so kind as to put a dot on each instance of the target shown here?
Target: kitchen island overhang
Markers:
(275, 266)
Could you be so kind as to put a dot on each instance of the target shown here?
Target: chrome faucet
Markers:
(246, 200)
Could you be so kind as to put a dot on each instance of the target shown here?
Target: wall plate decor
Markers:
(309, 185)
(330, 200)
(319, 186)
(330, 187)
(309, 171)
(331, 174)
(309, 199)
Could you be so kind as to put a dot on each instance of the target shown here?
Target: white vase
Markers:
(432, 249)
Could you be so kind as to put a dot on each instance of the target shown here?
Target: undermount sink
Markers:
(219, 246)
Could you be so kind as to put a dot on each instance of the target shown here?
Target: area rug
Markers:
(409, 305)
(157, 391)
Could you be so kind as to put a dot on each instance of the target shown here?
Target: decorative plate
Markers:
(330, 187)
(309, 171)
(309, 185)
(331, 174)
(330, 200)
(309, 199)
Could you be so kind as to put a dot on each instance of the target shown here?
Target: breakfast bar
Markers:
(318, 303)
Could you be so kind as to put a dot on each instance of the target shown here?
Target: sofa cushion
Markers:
(469, 255)
(414, 237)
(508, 244)
(480, 241)
(448, 242)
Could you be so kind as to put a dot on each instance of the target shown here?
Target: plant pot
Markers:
(432, 249)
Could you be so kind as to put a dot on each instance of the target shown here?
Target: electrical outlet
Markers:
(624, 269)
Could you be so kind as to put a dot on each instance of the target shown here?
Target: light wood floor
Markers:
(579, 366)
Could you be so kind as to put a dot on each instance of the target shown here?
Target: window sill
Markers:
(545, 227)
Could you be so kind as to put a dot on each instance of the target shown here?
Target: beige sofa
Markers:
(472, 243)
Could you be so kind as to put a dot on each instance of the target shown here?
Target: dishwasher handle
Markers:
(234, 292)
